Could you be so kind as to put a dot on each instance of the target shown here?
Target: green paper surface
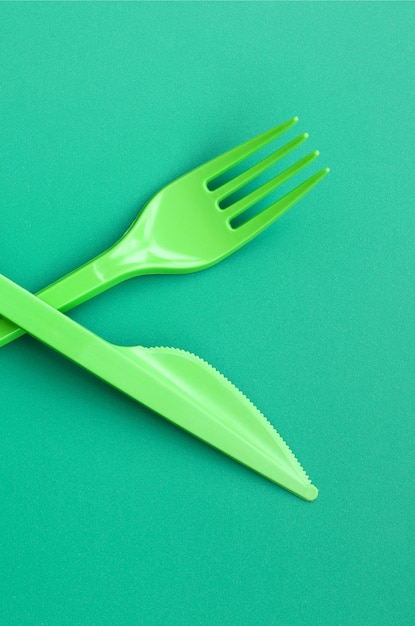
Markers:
(109, 514)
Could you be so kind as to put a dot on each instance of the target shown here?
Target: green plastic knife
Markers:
(176, 384)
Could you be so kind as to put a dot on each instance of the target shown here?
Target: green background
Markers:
(110, 515)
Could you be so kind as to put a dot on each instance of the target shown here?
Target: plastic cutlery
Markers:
(183, 227)
(176, 384)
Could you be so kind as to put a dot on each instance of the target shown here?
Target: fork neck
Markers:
(89, 280)
(130, 256)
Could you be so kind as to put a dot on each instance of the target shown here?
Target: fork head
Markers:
(190, 224)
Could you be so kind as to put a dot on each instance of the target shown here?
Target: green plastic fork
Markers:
(183, 228)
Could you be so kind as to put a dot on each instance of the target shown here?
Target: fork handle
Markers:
(75, 288)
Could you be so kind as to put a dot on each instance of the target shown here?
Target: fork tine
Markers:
(244, 178)
(255, 196)
(223, 162)
(260, 222)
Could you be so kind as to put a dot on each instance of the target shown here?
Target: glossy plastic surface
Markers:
(182, 228)
(176, 384)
